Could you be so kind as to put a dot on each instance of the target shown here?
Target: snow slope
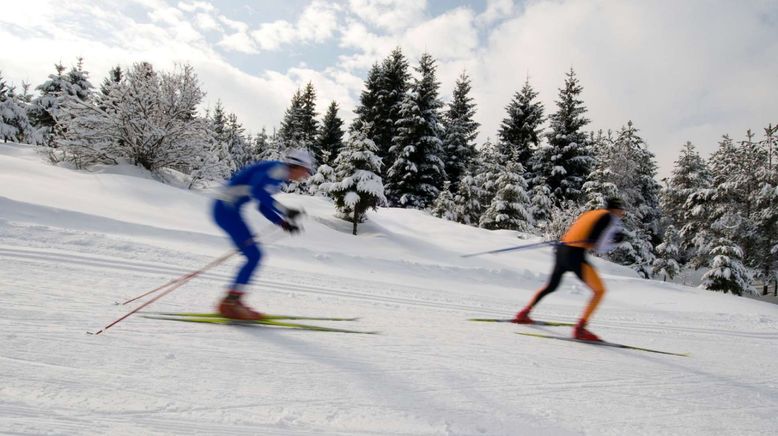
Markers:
(73, 243)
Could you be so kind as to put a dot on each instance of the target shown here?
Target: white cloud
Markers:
(238, 42)
(495, 10)
(196, 6)
(317, 23)
(207, 22)
(390, 15)
(448, 37)
(238, 26)
(271, 36)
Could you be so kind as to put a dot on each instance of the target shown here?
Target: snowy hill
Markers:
(72, 243)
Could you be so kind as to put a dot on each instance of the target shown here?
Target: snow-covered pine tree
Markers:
(467, 201)
(330, 139)
(260, 144)
(766, 220)
(358, 186)
(395, 80)
(299, 125)
(488, 167)
(509, 208)
(690, 174)
(460, 131)
(78, 78)
(14, 124)
(367, 110)
(444, 206)
(418, 172)
(727, 273)
(542, 205)
(237, 145)
(567, 158)
(309, 123)
(667, 254)
(45, 108)
(520, 131)
(275, 147)
(720, 206)
(319, 182)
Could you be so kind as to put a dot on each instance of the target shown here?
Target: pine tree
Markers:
(668, 252)
(418, 172)
(358, 186)
(45, 108)
(113, 80)
(444, 206)
(488, 169)
(727, 273)
(330, 139)
(14, 124)
(509, 207)
(690, 174)
(318, 183)
(566, 161)
(299, 126)
(467, 201)
(460, 131)
(520, 131)
(766, 219)
(368, 109)
(237, 145)
(260, 145)
(394, 83)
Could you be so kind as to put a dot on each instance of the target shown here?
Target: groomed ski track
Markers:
(430, 372)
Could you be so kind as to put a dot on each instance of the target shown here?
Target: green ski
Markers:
(267, 316)
(263, 322)
(602, 343)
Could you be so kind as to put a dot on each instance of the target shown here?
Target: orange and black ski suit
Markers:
(592, 230)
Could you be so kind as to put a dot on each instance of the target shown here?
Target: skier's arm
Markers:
(606, 233)
(262, 189)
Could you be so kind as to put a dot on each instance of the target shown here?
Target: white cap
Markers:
(300, 158)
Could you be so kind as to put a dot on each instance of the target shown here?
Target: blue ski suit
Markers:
(258, 181)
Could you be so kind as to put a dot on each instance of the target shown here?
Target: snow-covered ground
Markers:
(73, 243)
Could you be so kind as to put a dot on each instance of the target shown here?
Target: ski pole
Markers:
(522, 247)
(193, 274)
(187, 276)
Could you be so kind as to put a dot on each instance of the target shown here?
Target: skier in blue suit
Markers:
(257, 182)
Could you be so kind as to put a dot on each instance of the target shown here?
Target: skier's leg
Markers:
(232, 223)
(589, 276)
(592, 279)
(553, 283)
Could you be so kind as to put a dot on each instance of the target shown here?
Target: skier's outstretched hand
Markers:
(290, 227)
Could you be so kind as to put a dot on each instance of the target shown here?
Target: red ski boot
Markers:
(232, 307)
(523, 317)
(582, 334)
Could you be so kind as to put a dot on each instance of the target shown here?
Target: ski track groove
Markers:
(279, 286)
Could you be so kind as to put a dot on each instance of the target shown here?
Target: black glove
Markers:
(292, 214)
(618, 237)
(290, 227)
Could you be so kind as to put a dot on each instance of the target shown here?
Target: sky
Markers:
(681, 71)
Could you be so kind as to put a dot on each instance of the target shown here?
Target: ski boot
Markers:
(523, 317)
(582, 334)
(232, 307)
